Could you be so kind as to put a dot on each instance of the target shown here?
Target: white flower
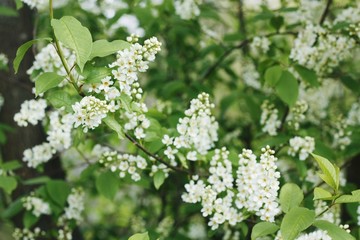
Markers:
(302, 146)
(269, 118)
(187, 9)
(75, 207)
(38, 155)
(36, 205)
(32, 111)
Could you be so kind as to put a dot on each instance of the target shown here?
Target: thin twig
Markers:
(227, 52)
(157, 158)
(326, 12)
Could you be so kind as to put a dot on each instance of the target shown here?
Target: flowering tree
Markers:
(189, 119)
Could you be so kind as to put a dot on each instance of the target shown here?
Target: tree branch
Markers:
(326, 12)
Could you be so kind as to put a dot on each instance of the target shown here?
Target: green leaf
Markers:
(320, 193)
(102, 48)
(262, 229)
(290, 196)
(330, 174)
(112, 123)
(354, 197)
(60, 98)
(272, 75)
(107, 184)
(277, 22)
(159, 178)
(11, 165)
(307, 75)
(140, 236)
(37, 180)
(95, 75)
(334, 231)
(8, 183)
(29, 220)
(58, 191)
(296, 220)
(46, 81)
(8, 12)
(14, 208)
(126, 102)
(287, 88)
(75, 36)
(20, 53)
(351, 83)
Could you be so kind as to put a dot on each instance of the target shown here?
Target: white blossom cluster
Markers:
(259, 46)
(316, 235)
(26, 234)
(318, 49)
(137, 120)
(32, 111)
(250, 75)
(332, 215)
(36, 205)
(358, 213)
(187, 9)
(308, 11)
(64, 234)
(3, 60)
(269, 118)
(59, 133)
(155, 167)
(132, 60)
(89, 112)
(165, 226)
(2, 101)
(38, 154)
(318, 99)
(297, 114)
(39, 4)
(341, 135)
(106, 7)
(258, 184)
(353, 117)
(349, 15)
(197, 131)
(216, 195)
(130, 23)
(48, 60)
(302, 146)
(75, 207)
(124, 163)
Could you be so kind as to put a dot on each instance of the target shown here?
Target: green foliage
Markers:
(159, 178)
(75, 36)
(272, 75)
(307, 75)
(58, 191)
(262, 229)
(334, 231)
(287, 88)
(330, 172)
(295, 221)
(20, 53)
(103, 48)
(290, 196)
(322, 194)
(354, 197)
(112, 123)
(60, 98)
(140, 236)
(8, 184)
(46, 81)
(107, 184)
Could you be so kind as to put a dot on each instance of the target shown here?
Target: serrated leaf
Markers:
(8, 183)
(290, 196)
(58, 191)
(20, 53)
(263, 229)
(330, 175)
(102, 48)
(272, 75)
(287, 88)
(140, 236)
(354, 197)
(107, 184)
(307, 75)
(320, 193)
(334, 231)
(60, 98)
(112, 123)
(75, 36)
(159, 178)
(46, 81)
(295, 221)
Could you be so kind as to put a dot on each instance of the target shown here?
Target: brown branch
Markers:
(156, 157)
(326, 12)
(242, 44)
